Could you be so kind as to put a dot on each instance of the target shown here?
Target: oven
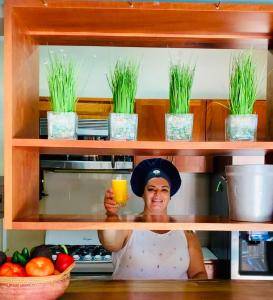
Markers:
(92, 260)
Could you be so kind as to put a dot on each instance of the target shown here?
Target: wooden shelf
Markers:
(30, 23)
(162, 24)
(145, 148)
(84, 222)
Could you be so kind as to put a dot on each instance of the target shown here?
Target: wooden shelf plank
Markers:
(117, 23)
(84, 222)
(149, 148)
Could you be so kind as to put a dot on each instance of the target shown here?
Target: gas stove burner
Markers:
(84, 253)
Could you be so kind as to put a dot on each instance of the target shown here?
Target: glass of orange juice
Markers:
(119, 187)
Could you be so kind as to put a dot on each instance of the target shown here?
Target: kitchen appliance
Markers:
(252, 255)
(88, 129)
(92, 260)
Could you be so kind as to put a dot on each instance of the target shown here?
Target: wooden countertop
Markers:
(169, 290)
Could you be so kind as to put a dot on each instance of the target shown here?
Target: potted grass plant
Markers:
(62, 120)
(241, 124)
(179, 122)
(123, 84)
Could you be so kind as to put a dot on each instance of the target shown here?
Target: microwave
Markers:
(252, 255)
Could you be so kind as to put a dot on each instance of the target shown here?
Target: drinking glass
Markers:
(119, 187)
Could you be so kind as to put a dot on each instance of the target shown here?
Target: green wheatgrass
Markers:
(243, 84)
(123, 84)
(62, 84)
(180, 86)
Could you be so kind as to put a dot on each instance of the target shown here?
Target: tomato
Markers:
(39, 266)
(56, 272)
(11, 269)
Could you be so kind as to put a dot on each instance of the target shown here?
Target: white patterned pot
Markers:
(178, 127)
(241, 127)
(123, 126)
(62, 125)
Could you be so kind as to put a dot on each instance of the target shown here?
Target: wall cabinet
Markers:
(30, 23)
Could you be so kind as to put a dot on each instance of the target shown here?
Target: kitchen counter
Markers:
(161, 289)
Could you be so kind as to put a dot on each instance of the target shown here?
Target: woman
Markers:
(144, 254)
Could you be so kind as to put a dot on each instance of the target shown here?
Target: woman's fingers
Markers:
(109, 201)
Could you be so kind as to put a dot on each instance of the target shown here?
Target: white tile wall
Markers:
(83, 193)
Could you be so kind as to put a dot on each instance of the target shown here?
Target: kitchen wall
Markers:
(94, 63)
(83, 193)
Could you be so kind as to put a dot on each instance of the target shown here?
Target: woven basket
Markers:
(42, 288)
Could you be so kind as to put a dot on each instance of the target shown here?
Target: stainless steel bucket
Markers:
(250, 192)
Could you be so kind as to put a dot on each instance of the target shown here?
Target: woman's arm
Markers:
(113, 240)
(196, 268)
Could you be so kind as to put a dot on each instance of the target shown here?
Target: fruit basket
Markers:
(44, 288)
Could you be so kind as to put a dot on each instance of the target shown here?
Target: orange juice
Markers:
(119, 187)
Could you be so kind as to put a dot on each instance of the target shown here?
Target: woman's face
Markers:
(156, 195)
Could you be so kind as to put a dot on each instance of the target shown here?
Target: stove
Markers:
(84, 253)
(92, 260)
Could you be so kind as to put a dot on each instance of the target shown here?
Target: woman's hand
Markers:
(109, 202)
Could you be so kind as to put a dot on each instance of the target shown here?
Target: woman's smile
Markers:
(156, 195)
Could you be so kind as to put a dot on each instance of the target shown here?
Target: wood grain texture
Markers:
(145, 148)
(31, 22)
(269, 93)
(162, 24)
(217, 112)
(21, 117)
(159, 289)
(152, 119)
(126, 222)
(185, 164)
(86, 108)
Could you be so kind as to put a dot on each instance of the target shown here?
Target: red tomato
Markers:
(11, 269)
(39, 266)
(56, 272)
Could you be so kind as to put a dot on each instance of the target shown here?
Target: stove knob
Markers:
(54, 256)
(97, 257)
(76, 257)
(87, 257)
(107, 257)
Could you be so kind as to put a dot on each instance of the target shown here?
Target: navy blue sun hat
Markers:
(154, 167)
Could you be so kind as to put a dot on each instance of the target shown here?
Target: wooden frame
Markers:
(29, 23)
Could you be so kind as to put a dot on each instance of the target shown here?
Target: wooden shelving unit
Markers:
(144, 147)
(30, 23)
(84, 222)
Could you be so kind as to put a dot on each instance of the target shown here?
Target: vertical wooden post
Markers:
(21, 119)
(269, 93)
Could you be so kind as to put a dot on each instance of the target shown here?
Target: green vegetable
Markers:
(22, 260)
(25, 253)
(18, 258)
(14, 258)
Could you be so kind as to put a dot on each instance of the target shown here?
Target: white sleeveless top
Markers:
(149, 255)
